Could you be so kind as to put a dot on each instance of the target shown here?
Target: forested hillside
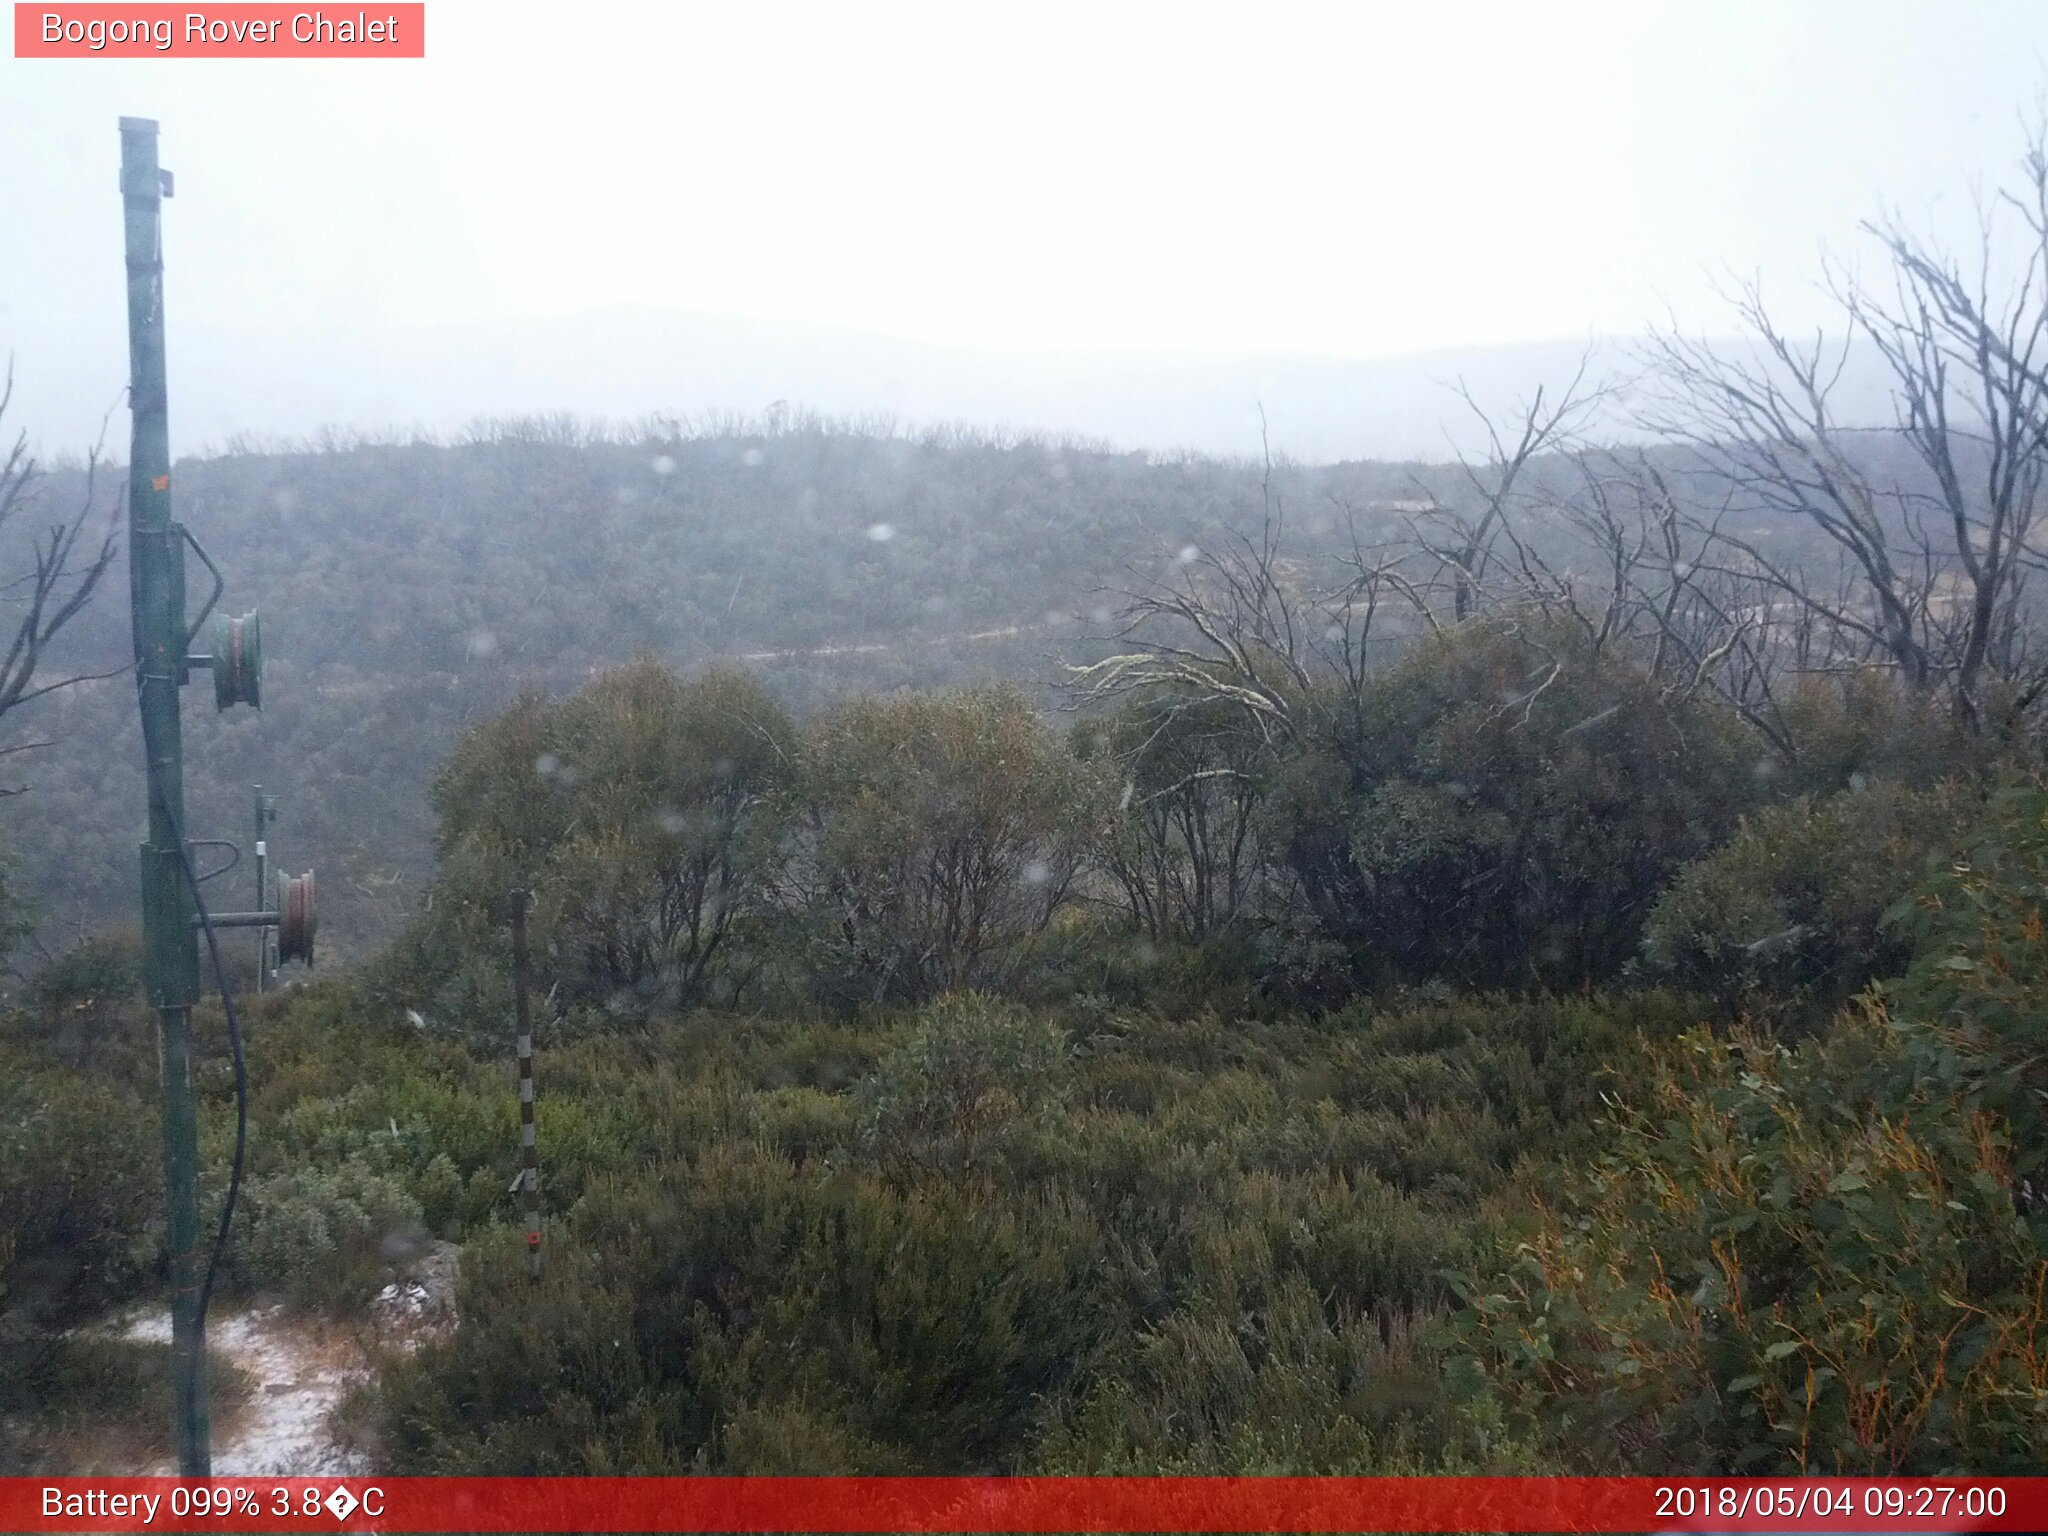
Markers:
(407, 588)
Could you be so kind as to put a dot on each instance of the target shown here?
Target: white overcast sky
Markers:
(1356, 180)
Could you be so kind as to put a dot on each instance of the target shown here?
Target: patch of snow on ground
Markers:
(299, 1370)
(296, 1380)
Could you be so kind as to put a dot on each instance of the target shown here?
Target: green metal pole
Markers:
(156, 568)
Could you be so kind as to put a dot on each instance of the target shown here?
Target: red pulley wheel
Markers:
(297, 917)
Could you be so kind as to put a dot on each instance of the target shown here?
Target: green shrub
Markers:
(81, 1225)
(325, 1237)
(806, 1125)
(1790, 911)
(1091, 960)
(744, 1293)
(85, 1008)
(945, 833)
(84, 1394)
(81, 1196)
(974, 1075)
(1867, 725)
(1502, 806)
(966, 1239)
(538, 1379)
(1977, 990)
(1181, 851)
(1290, 1391)
(99, 970)
(1764, 1275)
(1828, 1258)
(645, 814)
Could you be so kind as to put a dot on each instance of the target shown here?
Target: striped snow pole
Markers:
(529, 1153)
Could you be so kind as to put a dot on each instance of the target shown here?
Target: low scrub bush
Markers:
(1790, 914)
(969, 1237)
(81, 1196)
(974, 1076)
(1824, 1258)
(325, 1237)
(83, 1403)
(85, 1008)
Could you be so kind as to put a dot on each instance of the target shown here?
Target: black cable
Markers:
(227, 1000)
(227, 1003)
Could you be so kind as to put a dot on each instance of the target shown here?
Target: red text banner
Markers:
(1022, 1504)
(225, 31)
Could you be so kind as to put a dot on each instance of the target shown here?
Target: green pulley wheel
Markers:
(238, 661)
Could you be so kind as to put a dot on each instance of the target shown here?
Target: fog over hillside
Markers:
(624, 364)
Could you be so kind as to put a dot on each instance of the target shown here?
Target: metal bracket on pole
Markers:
(219, 581)
(266, 965)
(294, 917)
